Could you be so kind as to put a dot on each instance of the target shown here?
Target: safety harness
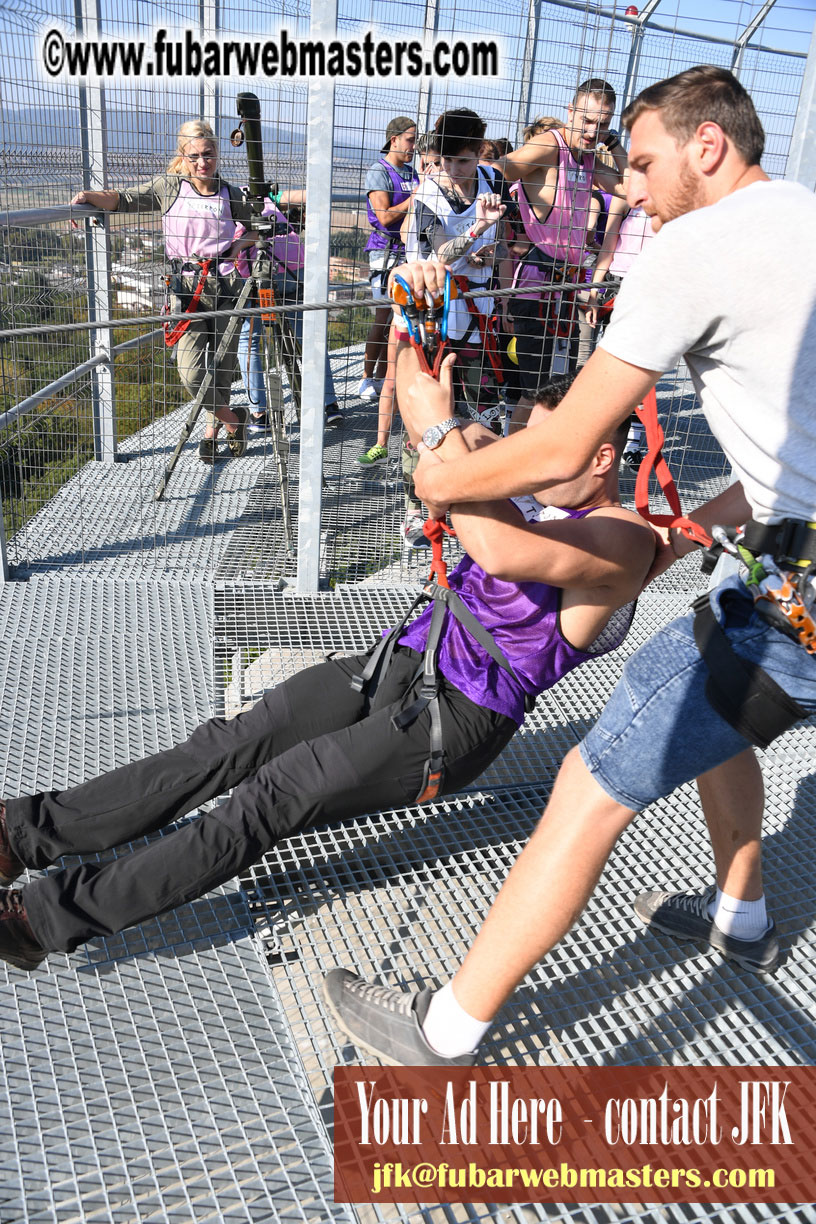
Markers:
(781, 562)
(427, 329)
(189, 298)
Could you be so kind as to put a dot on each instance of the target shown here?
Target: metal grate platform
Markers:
(181, 1071)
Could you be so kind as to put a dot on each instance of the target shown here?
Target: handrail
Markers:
(103, 357)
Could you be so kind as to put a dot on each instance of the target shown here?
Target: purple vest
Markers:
(523, 617)
(389, 235)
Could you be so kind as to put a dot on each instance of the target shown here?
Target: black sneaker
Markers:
(10, 865)
(334, 415)
(237, 441)
(259, 424)
(685, 915)
(384, 1022)
(18, 945)
(633, 459)
(208, 450)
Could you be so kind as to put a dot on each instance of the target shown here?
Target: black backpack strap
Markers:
(741, 692)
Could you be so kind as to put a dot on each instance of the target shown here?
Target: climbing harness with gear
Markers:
(428, 336)
(189, 298)
(781, 577)
(426, 321)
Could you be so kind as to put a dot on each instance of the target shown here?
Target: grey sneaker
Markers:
(384, 1022)
(413, 532)
(685, 915)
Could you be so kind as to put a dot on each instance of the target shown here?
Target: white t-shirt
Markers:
(731, 288)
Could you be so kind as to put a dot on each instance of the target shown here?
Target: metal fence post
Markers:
(746, 36)
(4, 566)
(801, 164)
(430, 29)
(93, 128)
(209, 18)
(319, 163)
(528, 67)
(633, 63)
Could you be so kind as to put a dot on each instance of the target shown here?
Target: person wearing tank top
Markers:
(203, 218)
(458, 218)
(554, 173)
(317, 749)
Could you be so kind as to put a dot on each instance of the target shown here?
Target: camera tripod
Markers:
(281, 351)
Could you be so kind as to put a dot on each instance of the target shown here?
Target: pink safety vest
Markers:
(287, 249)
(635, 232)
(563, 235)
(199, 227)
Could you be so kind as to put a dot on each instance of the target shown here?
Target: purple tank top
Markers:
(523, 617)
(389, 235)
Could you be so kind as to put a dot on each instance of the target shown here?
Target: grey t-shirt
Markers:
(378, 179)
(730, 288)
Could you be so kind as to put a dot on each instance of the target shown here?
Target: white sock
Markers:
(449, 1029)
(742, 919)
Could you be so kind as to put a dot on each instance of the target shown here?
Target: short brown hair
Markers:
(596, 87)
(705, 94)
(459, 131)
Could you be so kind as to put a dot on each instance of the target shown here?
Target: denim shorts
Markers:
(658, 730)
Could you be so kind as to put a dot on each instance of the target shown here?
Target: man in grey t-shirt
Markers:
(389, 185)
(747, 330)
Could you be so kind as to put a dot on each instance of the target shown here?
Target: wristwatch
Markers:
(435, 433)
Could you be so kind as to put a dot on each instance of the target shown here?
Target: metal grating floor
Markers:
(181, 1071)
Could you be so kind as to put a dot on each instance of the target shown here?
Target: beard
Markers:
(685, 197)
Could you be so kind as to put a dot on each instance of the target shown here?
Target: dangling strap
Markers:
(432, 530)
(486, 333)
(172, 335)
(654, 462)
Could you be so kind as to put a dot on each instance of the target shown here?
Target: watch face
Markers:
(432, 437)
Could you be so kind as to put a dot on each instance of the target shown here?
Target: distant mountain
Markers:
(152, 134)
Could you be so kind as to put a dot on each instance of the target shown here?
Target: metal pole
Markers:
(430, 29)
(633, 63)
(317, 231)
(747, 34)
(209, 17)
(801, 165)
(93, 129)
(4, 566)
(528, 68)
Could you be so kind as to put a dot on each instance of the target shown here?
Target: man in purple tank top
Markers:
(555, 172)
(324, 745)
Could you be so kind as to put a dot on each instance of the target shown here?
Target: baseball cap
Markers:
(395, 128)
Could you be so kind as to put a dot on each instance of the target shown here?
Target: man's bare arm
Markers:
(541, 151)
(605, 392)
(609, 549)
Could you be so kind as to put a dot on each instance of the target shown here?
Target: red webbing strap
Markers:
(172, 335)
(426, 368)
(433, 529)
(486, 335)
(654, 462)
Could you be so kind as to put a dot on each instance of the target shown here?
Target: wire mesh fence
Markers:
(58, 138)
